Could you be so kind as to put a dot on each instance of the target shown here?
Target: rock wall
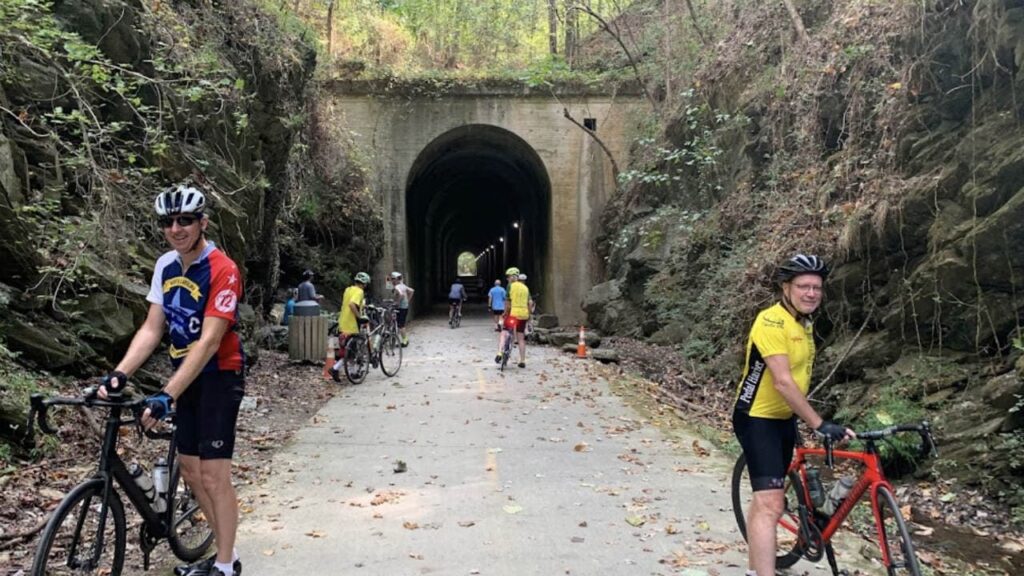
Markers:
(892, 145)
(105, 103)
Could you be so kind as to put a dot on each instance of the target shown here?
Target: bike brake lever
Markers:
(830, 459)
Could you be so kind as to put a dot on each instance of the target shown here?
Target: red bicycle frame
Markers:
(871, 478)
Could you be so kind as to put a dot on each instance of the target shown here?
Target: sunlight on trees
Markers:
(466, 264)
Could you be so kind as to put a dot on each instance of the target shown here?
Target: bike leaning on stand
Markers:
(87, 532)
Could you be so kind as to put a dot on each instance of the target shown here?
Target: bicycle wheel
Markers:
(357, 359)
(458, 319)
(893, 528)
(789, 546)
(506, 352)
(84, 535)
(190, 534)
(390, 355)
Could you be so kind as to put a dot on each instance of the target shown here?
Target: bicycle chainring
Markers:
(813, 549)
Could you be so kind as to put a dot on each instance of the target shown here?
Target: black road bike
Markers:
(376, 344)
(87, 532)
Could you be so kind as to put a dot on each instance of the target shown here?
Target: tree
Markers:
(798, 22)
(571, 35)
(553, 26)
(330, 28)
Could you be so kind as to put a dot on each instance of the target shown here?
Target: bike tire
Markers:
(506, 352)
(891, 523)
(390, 355)
(357, 360)
(64, 535)
(189, 534)
(789, 548)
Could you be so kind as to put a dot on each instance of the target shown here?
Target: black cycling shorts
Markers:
(498, 312)
(402, 317)
(454, 301)
(768, 445)
(206, 414)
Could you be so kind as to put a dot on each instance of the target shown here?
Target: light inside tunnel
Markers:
(481, 190)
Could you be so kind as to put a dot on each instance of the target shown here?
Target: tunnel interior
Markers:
(478, 189)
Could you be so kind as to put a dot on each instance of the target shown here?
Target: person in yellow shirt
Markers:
(352, 302)
(770, 396)
(516, 315)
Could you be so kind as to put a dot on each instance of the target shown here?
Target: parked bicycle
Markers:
(811, 518)
(375, 344)
(87, 532)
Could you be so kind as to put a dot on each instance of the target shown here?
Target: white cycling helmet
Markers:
(396, 275)
(181, 200)
(522, 277)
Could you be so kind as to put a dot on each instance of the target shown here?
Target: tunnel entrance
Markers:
(478, 189)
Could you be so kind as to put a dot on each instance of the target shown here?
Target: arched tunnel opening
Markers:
(478, 189)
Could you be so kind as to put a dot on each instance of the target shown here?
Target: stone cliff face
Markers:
(893, 146)
(104, 103)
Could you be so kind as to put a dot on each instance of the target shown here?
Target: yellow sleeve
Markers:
(769, 335)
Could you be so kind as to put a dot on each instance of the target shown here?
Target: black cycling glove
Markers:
(115, 383)
(831, 430)
(159, 405)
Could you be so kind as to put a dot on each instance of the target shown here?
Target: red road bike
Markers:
(805, 531)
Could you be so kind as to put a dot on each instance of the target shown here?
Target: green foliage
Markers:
(893, 404)
(694, 160)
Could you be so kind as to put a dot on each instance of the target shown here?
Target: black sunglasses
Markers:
(184, 220)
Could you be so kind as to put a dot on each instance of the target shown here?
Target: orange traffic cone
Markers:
(328, 360)
(581, 348)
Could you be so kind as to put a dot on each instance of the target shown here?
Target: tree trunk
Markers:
(570, 47)
(553, 26)
(330, 28)
(696, 23)
(798, 22)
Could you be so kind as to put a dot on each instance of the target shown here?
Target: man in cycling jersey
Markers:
(352, 302)
(496, 303)
(195, 291)
(772, 393)
(456, 296)
(516, 315)
(403, 294)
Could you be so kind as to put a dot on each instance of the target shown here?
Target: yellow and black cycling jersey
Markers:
(775, 331)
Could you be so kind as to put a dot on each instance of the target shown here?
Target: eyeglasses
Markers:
(809, 288)
(183, 220)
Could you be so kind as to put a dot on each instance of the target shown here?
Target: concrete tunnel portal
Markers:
(479, 189)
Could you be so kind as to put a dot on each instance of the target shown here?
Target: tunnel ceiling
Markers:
(465, 190)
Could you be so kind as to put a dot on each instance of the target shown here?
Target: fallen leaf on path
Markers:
(316, 534)
(512, 508)
(700, 450)
(268, 552)
(635, 520)
(467, 523)
(410, 525)
(581, 447)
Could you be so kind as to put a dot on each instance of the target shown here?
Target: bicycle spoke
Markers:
(83, 536)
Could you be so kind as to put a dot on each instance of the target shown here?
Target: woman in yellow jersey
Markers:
(352, 302)
(516, 314)
(772, 393)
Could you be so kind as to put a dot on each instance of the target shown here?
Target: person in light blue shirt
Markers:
(289, 306)
(496, 302)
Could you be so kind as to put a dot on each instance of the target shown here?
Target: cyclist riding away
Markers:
(403, 294)
(516, 315)
(496, 303)
(456, 296)
(352, 302)
(776, 378)
(195, 291)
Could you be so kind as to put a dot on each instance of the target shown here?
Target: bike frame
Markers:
(870, 480)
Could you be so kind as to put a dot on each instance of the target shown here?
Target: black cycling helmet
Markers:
(801, 264)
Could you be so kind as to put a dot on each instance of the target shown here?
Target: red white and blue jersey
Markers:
(211, 286)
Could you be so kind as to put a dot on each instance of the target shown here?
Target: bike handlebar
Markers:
(39, 406)
(923, 428)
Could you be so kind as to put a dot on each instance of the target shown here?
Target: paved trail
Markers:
(535, 471)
